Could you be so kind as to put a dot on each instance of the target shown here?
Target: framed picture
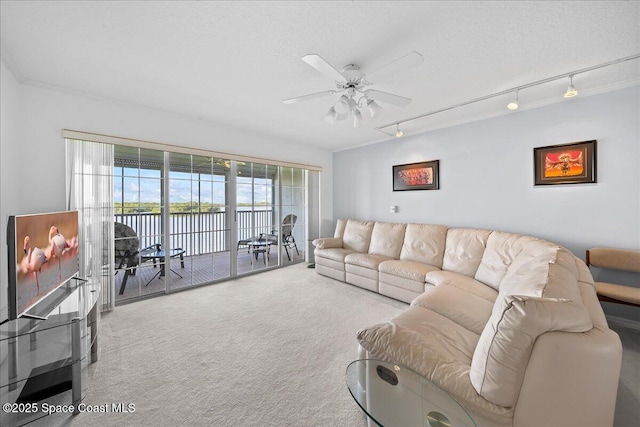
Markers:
(565, 164)
(416, 176)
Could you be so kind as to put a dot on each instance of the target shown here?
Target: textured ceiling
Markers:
(234, 62)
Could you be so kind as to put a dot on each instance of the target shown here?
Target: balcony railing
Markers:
(201, 232)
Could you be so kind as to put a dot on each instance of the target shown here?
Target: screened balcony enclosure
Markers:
(217, 218)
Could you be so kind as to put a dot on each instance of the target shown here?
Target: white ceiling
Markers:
(234, 62)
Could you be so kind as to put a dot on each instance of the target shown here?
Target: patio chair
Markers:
(127, 248)
(288, 241)
(128, 254)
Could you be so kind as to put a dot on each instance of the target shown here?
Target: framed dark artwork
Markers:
(573, 163)
(417, 176)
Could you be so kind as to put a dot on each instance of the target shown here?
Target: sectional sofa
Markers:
(507, 324)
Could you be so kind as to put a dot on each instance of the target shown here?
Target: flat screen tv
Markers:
(43, 254)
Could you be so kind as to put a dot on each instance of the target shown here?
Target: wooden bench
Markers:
(620, 260)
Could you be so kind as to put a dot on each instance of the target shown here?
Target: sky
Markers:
(146, 188)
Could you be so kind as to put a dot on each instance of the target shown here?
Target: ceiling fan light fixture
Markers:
(571, 90)
(357, 118)
(331, 115)
(342, 107)
(374, 108)
(352, 83)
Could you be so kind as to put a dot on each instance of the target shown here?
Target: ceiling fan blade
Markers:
(389, 98)
(317, 62)
(411, 59)
(310, 96)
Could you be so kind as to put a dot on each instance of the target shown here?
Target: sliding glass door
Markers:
(184, 220)
(255, 217)
(199, 223)
(139, 204)
(292, 218)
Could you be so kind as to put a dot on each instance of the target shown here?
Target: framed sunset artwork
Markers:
(573, 163)
(417, 176)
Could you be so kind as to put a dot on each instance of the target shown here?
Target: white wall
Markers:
(486, 175)
(34, 151)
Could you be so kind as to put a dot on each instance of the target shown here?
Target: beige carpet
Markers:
(266, 350)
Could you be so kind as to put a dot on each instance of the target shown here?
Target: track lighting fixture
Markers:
(571, 90)
(399, 133)
(513, 105)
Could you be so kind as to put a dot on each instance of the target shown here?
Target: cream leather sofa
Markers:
(507, 324)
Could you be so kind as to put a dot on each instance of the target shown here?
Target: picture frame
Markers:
(417, 176)
(573, 163)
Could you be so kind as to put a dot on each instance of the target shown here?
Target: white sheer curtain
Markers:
(90, 192)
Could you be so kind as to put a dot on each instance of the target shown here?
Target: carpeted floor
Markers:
(265, 350)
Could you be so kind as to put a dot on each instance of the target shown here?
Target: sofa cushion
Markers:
(466, 283)
(357, 235)
(386, 239)
(335, 254)
(365, 260)
(424, 243)
(502, 249)
(407, 269)
(464, 249)
(455, 303)
(502, 354)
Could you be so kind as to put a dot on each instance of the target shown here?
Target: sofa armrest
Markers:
(581, 370)
(328, 242)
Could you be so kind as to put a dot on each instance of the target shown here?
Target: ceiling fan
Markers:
(353, 82)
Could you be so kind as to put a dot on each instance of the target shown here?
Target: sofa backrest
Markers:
(500, 252)
(464, 249)
(387, 238)
(357, 235)
(340, 226)
(424, 243)
(564, 276)
(528, 273)
(539, 292)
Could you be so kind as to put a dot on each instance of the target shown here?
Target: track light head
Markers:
(399, 133)
(513, 105)
(571, 90)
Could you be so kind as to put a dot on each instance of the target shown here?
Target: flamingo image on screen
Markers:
(45, 255)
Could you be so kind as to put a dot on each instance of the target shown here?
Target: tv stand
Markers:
(33, 316)
(49, 350)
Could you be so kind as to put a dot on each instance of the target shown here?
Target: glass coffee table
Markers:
(393, 395)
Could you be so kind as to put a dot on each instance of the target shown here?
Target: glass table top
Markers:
(393, 395)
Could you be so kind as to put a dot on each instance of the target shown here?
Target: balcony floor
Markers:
(197, 269)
